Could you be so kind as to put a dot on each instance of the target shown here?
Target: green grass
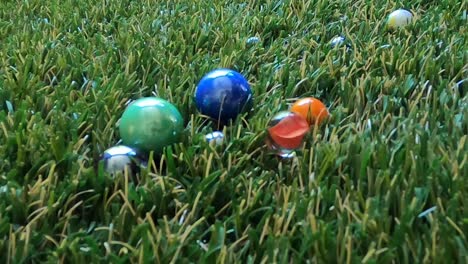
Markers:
(395, 146)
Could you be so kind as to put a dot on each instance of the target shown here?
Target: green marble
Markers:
(150, 124)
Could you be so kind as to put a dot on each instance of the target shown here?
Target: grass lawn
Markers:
(394, 147)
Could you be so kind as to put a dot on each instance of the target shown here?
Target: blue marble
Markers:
(223, 94)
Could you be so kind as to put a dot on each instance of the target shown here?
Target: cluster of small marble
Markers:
(396, 19)
(287, 129)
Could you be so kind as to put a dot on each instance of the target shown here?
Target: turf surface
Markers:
(395, 146)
